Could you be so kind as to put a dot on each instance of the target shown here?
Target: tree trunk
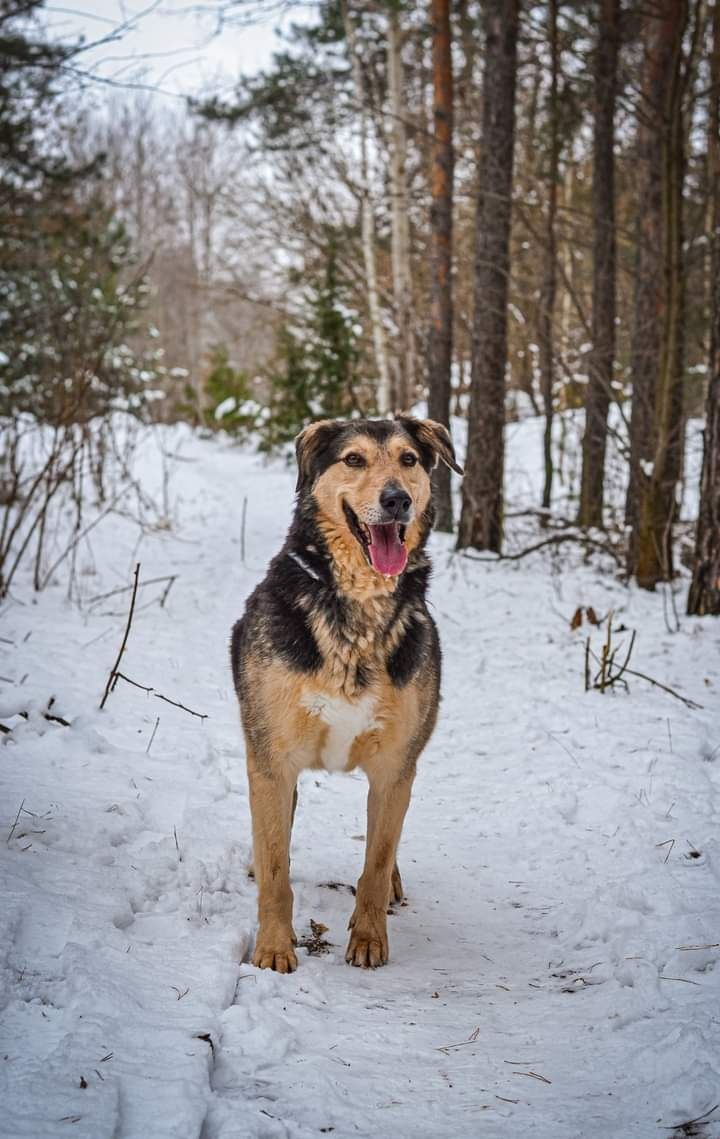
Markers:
(400, 222)
(367, 221)
(441, 298)
(662, 33)
(602, 353)
(549, 282)
(481, 518)
(704, 594)
(651, 539)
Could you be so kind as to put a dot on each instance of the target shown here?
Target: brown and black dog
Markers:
(336, 661)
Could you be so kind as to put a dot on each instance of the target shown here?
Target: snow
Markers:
(225, 407)
(560, 858)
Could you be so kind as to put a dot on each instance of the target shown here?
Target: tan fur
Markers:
(361, 490)
(283, 735)
(387, 754)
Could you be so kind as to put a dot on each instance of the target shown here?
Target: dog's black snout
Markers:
(395, 501)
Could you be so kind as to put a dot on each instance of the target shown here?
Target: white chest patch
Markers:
(345, 720)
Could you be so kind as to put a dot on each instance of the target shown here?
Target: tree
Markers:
(656, 352)
(399, 215)
(482, 506)
(704, 593)
(316, 372)
(658, 333)
(367, 218)
(441, 220)
(549, 282)
(602, 352)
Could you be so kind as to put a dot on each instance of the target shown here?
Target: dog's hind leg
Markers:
(272, 799)
(396, 887)
(387, 803)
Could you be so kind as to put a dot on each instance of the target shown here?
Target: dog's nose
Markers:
(395, 501)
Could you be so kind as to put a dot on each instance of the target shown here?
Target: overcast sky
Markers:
(180, 46)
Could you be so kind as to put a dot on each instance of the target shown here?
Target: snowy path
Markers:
(536, 984)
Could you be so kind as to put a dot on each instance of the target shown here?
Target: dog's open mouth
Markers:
(382, 543)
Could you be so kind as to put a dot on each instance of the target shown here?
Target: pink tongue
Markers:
(387, 553)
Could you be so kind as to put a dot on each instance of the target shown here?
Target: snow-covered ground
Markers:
(554, 970)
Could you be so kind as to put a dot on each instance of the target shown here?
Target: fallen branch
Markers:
(554, 540)
(158, 695)
(607, 678)
(12, 828)
(170, 578)
(690, 1122)
(665, 688)
(113, 672)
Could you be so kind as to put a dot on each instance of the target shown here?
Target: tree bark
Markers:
(367, 221)
(662, 34)
(602, 353)
(400, 221)
(549, 282)
(704, 593)
(441, 209)
(481, 520)
(651, 537)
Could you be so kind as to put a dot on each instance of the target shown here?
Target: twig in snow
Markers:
(12, 828)
(671, 841)
(177, 844)
(152, 737)
(79, 537)
(689, 1122)
(606, 678)
(562, 745)
(113, 672)
(470, 1040)
(683, 979)
(670, 691)
(692, 948)
(167, 589)
(126, 588)
(534, 1076)
(587, 665)
(158, 695)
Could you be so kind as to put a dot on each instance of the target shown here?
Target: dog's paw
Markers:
(276, 953)
(368, 945)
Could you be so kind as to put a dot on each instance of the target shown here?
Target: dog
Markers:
(336, 661)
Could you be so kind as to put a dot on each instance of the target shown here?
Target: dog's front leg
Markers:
(271, 804)
(387, 803)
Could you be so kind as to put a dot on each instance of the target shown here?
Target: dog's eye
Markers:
(353, 459)
(408, 459)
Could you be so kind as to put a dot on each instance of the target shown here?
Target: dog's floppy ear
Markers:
(309, 447)
(433, 438)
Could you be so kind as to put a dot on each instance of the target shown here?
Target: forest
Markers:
(221, 222)
(502, 210)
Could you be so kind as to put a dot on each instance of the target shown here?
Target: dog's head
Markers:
(370, 481)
